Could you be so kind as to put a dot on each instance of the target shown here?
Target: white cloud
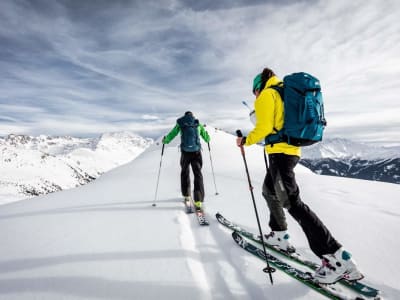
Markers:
(150, 117)
(138, 61)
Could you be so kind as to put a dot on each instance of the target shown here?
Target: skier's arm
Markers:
(204, 134)
(171, 135)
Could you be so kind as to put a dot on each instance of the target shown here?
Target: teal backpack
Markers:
(190, 140)
(304, 119)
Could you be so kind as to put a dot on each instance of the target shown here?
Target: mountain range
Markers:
(43, 164)
(344, 158)
(38, 165)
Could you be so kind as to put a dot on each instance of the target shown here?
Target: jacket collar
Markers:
(274, 80)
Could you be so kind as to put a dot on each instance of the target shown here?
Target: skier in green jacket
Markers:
(191, 130)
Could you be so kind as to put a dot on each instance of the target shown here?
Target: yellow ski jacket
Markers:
(269, 112)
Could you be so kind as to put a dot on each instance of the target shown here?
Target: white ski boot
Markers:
(337, 266)
(279, 239)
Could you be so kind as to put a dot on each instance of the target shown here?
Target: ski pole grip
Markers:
(239, 133)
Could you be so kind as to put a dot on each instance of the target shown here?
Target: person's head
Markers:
(261, 79)
(188, 113)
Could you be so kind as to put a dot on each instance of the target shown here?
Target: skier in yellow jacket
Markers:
(280, 189)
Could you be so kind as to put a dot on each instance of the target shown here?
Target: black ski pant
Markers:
(195, 160)
(281, 191)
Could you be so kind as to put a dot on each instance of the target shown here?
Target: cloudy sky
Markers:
(86, 67)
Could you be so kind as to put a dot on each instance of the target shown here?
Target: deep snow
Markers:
(105, 240)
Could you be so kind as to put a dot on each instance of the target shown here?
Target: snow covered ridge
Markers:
(340, 157)
(39, 165)
(342, 148)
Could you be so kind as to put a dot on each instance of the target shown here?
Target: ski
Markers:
(331, 291)
(357, 286)
(201, 218)
(190, 208)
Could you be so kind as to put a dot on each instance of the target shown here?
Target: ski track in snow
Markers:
(231, 267)
(207, 266)
(189, 245)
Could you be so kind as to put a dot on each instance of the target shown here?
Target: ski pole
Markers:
(212, 169)
(245, 104)
(268, 269)
(158, 177)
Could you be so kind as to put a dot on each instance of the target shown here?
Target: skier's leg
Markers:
(185, 176)
(197, 163)
(320, 239)
(277, 221)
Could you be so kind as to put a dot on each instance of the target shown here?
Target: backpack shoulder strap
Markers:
(277, 136)
(278, 88)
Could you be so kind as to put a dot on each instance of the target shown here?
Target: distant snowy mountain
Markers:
(340, 157)
(39, 165)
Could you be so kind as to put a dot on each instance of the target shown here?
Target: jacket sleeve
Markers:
(264, 107)
(204, 134)
(171, 135)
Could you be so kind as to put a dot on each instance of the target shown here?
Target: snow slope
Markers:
(105, 240)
